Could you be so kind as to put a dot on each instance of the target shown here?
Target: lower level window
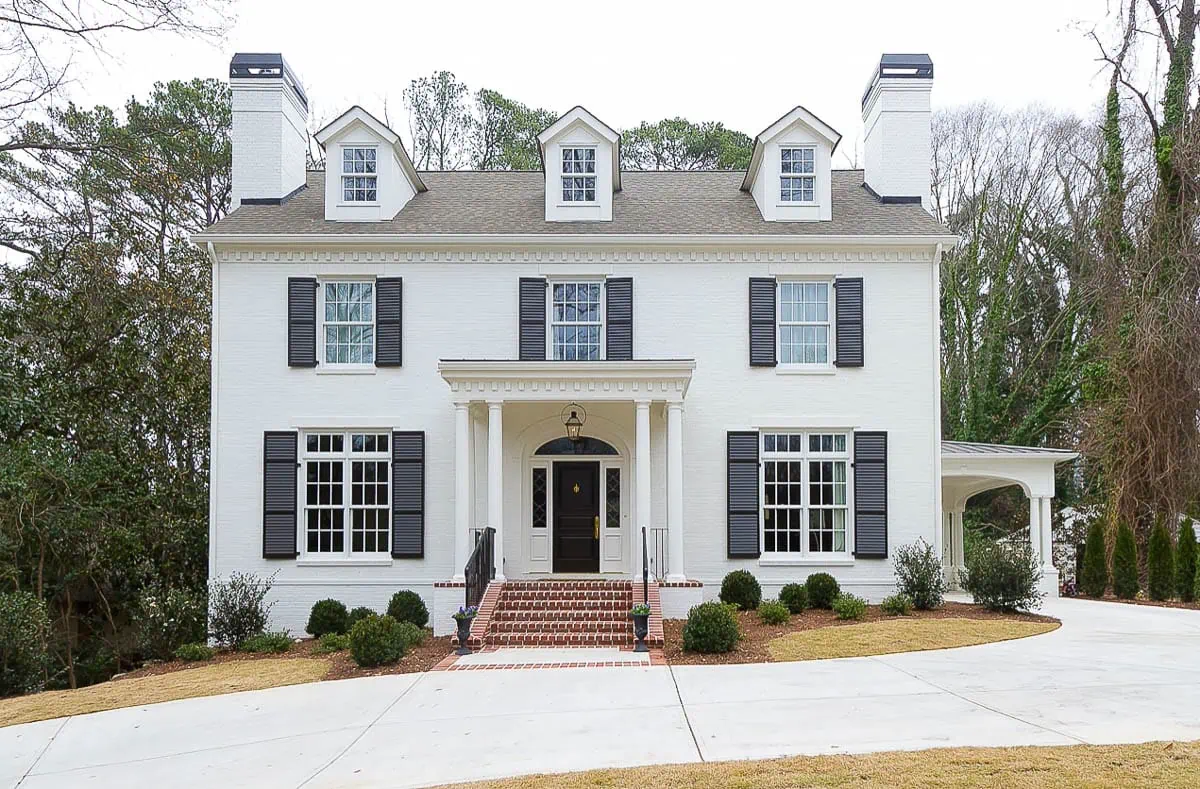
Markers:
(347, 496)
(805, 492)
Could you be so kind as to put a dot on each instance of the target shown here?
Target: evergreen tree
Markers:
(1124, 566)
(1185, 562)
(1094, 578)
(1160, 563)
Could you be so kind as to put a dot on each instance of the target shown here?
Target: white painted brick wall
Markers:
(897, 152)
(268, 138)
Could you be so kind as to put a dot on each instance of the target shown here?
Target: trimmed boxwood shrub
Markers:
(741, 588)
(332, 642)
(413, 636)
(327, 616)
(773, 612)
(1093, 579)
(711, 627)
(1185, 562)
(822, 590)
(898, 604)
(848, 606)
(24, 625)
(795, 597)
(376, 641)
(361, 612)
(1124, 564)
(407, 606)
(1003, 577)
(1160, 564)
(279, 641)
(190, 653)
(919, 574)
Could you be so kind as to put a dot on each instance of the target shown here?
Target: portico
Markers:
(509, 412)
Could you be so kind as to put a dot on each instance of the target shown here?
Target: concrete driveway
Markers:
(1112, 673)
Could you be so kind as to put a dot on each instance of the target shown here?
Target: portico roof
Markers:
(971, 468)
(510, 379)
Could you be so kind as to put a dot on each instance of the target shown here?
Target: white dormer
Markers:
(582, 161)
(368, 174)
(790, 169)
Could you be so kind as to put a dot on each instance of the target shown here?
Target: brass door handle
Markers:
(596, 530)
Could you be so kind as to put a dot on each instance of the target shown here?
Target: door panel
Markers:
(576, 517)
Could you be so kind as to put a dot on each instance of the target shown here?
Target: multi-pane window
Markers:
(539, 498)
(359, 177)
(579, 175)
(797, 175)
(805, 492)
(575, 321)
(347, 496)
(349, 335)
(804, 322)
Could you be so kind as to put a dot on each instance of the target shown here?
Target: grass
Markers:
(1160, 765)
(901, 634)
(205, 680)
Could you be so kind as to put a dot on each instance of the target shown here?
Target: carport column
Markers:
(496, 480)
(675, 492)
(958, 559)
(1035, 529)
(1047, 533)
(641, 465)
(462, 488)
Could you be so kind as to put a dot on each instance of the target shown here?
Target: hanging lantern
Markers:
(573, 417)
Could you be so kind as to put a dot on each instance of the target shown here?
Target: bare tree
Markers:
(439, 120)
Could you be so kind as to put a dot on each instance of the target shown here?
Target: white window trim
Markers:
(561, 175)
(805, 556)
(342, 201)
(805, 368)
(568, 280)
(779, 201)
(347, 557)
(346, 368)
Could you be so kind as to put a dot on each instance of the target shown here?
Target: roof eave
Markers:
(570, 239)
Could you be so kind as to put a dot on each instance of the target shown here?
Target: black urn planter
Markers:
(464, 633)
(641, 626)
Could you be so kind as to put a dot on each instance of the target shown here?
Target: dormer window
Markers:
(579, 175)
(797, 175)
(359, 175)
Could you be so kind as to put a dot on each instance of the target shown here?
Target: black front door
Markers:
(576, 517)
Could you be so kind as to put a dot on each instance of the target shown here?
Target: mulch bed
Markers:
(422, 658)
(1143, 601)
(752, 648)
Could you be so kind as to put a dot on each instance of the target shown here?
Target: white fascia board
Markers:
(566, 239)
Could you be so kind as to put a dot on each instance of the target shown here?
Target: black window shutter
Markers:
(532, 309)
(389, 308)
(408, 494)
(762, 322)
(618, 308)
(742, 458)
(279, 495)
(302, 322)
(848, 295)
(870, 495)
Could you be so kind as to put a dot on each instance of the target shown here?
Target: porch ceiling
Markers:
(506, 379)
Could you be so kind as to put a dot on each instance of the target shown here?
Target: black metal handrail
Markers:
(645, 570)
(659, 560)
(480, 569)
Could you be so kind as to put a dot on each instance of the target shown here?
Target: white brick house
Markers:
(753, 356)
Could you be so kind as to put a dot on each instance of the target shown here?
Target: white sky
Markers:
(742, 63)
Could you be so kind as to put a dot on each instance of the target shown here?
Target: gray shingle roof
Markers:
(494, 202)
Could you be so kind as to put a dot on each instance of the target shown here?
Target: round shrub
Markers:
(327, 616)
(407, 606)
(280, 641)
(23, 628)
(190, 653)
(795, 597)
(773, 612)
(237, 608)
(919, 574)
(167, 618)
(897, 605)
(1124, 564)
(361, 612)
(1003, 577)
(822, 590)
(711, 627)
(332, 642)
(741, 588)
(848, 606)
(1093, 580)
(376, 641)
(1160, 563)
(413, 636)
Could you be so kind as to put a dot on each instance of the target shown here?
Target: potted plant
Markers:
(464, 617)
(641, 626)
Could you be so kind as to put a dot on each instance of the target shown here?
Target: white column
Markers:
(675, 492)
(496, 480)
(958, 557)
(1047, 534)
(1035, 527)
(641, 464)
(462, 488)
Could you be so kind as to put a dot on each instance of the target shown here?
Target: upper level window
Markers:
(804, 323)
(575, 321)
(346, 493)
(579, 175)
(349, 322)
(359, 178)
(797, 175)
(805, 492)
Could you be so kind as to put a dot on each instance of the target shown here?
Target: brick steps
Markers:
(561, 613)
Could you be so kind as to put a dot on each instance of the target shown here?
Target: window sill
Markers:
(805, 561)
(359, 369)
(785, 204)
(358, 205)
(352, 561)
(580, 204)
(805, 369)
